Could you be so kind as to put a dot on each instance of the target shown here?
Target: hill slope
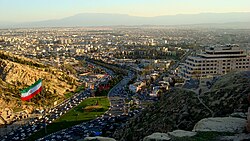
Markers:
(18, 72)
(181, 109)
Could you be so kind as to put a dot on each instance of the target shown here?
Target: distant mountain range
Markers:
(101, 19)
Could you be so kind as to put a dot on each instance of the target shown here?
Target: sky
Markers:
(38, 10)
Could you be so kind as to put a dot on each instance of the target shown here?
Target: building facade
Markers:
(216, 60)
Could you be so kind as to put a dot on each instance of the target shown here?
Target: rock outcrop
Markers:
(221, 124)
(181, 133)
(181, 109)
(157, 137)
(97, 139)
(19, 72)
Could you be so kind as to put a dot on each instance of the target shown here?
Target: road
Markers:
(106, 124)
(38, 123)
(114, 118)
(23, 132)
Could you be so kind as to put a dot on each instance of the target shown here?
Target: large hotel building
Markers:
(216, 60)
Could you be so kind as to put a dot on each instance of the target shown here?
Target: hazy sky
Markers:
(35, 10)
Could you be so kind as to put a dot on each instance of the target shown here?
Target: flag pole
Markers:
(45, 128)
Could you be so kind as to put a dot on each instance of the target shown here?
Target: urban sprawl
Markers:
(150, 60)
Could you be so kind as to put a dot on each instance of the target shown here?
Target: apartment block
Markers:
(215, 60)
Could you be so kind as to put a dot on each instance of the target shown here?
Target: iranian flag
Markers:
(32, 90)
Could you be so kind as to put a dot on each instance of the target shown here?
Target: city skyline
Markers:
(25, 11)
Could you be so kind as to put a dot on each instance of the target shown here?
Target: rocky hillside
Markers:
(182, 109)
(18, 72)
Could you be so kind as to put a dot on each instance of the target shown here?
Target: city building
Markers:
(215, 60)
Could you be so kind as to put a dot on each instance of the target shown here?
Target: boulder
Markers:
(157, 137)
(182, 133)
(239, 115)
(98, 139)
(221, 124)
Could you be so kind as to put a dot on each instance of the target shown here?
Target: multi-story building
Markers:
(216, 60)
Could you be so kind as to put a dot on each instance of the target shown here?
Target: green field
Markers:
(75, 116)
(78, 114)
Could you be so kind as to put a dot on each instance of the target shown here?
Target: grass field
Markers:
(203, 136)
(75, 116)
(78, 113)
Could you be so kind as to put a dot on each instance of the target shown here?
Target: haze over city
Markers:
(37, 10)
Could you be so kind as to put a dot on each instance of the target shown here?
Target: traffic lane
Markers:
(38, 124)
(103, 125)
(113, 102)
(116, 106)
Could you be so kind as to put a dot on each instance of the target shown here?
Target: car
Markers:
(59, 137)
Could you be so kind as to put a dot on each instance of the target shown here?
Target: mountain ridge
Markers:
(106, 19)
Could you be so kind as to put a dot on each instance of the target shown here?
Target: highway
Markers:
(106, 124)
(112, 119)
(36, 124)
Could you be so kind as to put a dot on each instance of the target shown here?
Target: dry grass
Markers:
(92, 108)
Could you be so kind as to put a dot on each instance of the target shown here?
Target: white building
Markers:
(217, 60)
(136, 86)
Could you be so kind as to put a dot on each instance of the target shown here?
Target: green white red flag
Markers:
(31, 91)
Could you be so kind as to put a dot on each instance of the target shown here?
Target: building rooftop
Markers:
(231, 50)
